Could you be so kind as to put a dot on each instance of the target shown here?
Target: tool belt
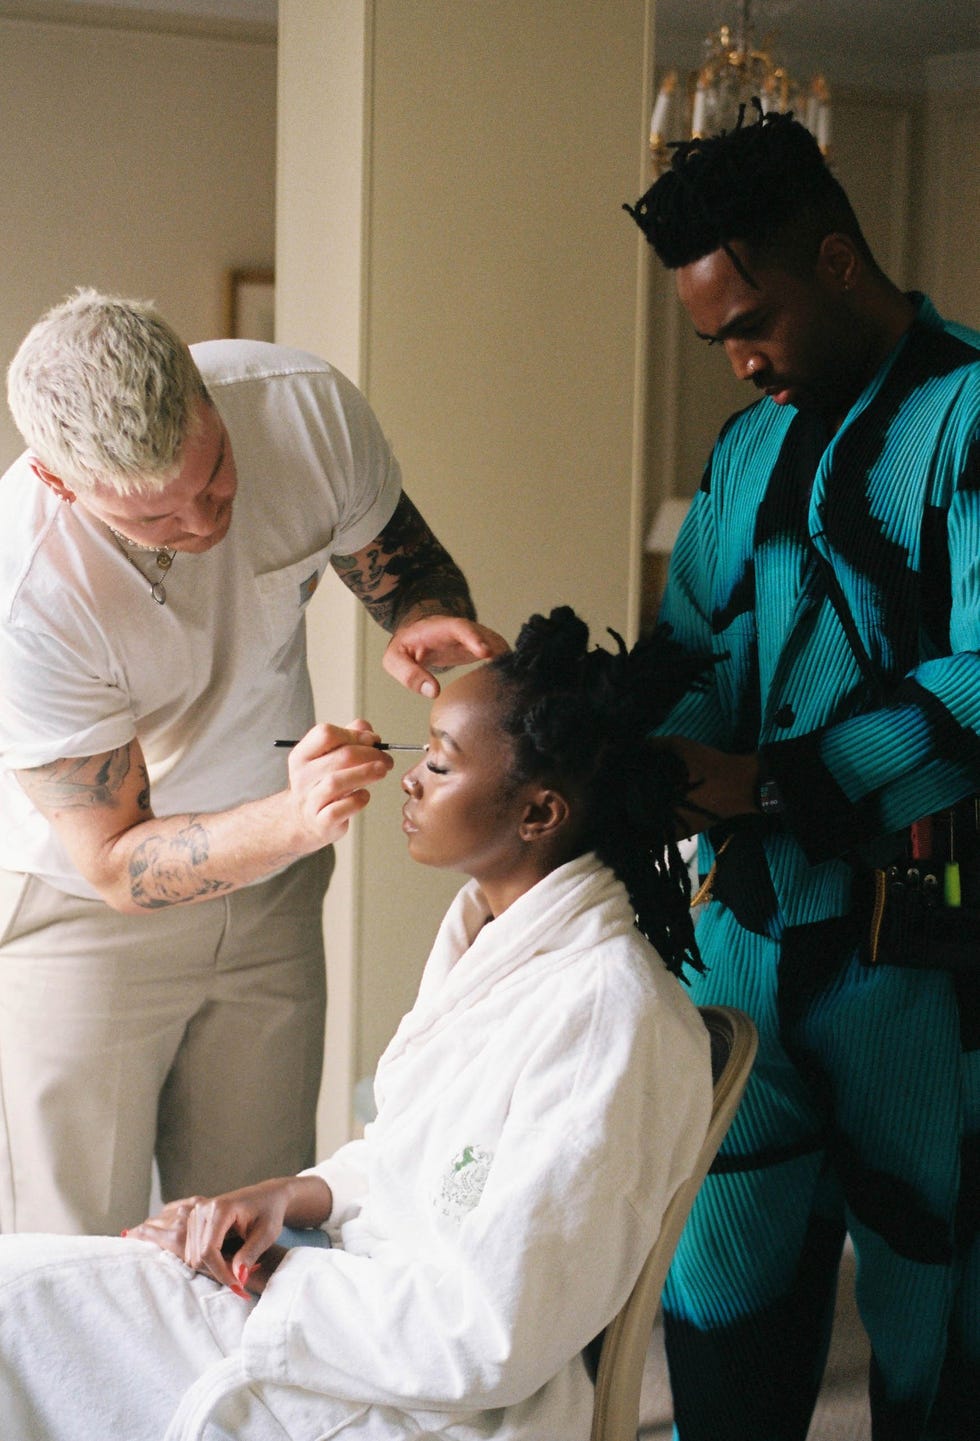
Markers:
(925, 906)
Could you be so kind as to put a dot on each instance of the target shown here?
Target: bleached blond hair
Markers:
(105, 394)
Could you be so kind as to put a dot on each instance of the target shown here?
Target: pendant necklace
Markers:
(163, 556)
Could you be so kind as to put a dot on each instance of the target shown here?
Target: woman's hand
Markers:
(232, 1237)
(168, 1228)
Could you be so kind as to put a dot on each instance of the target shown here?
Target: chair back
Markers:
(626, 1339)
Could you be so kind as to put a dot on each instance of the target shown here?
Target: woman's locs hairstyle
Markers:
(582, 717)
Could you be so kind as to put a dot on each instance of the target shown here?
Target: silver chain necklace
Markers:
(163, 556)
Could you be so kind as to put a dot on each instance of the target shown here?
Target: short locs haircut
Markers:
(765, 184)
(105, 393)
(580, 717)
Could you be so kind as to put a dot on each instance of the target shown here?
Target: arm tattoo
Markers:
(406, 571)
(143, 799)
(81, 782)
(164, 870)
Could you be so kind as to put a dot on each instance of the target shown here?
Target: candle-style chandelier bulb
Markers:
(732, 72)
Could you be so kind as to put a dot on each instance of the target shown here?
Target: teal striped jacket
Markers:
(790, 543)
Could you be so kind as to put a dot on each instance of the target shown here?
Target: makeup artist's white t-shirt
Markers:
(207, 681)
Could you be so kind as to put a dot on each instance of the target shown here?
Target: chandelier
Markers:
(733, 70)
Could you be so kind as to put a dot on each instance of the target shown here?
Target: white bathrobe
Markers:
(537, 1109)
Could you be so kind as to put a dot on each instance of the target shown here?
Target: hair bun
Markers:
(581, 717)
(548, 646)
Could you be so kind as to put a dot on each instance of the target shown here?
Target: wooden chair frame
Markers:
(625, 1342)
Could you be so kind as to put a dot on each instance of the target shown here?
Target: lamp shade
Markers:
(666, 524)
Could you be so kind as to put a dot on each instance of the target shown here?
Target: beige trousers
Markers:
(192, 1033)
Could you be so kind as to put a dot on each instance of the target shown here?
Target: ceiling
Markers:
(883, 42)
(893, 27)
(854, 41)
(253, 12)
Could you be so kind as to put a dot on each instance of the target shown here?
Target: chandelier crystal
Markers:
(734, 69)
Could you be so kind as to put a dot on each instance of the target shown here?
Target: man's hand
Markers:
(100, 808)
(722, 786)
(330, 771)
(437, 642)
(414, 589)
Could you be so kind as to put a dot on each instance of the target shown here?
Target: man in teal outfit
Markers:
(830, 561)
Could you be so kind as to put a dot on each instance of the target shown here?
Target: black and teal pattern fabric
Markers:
(863, 1112)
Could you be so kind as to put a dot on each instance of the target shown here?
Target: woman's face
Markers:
(464, 809)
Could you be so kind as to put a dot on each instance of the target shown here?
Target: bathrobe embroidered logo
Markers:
(463, 1182)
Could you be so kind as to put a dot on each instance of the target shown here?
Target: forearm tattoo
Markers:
(406, 572)
(81, 782)
(165, 870)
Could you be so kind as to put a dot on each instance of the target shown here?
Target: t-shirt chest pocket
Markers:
(284, 595)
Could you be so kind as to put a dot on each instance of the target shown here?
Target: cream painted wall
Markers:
(321, 298)
(950, 193)
(502, 304)
(132, 161)
(502, 333)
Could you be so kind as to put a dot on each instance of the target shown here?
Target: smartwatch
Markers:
(768, 798)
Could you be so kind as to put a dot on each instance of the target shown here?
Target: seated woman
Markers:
(537, 1109)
